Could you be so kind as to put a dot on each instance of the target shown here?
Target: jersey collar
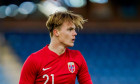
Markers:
(53, 53)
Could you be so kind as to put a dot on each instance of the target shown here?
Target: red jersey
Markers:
(46, 67)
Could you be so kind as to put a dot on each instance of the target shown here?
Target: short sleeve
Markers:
(29, 71)
(83, 74)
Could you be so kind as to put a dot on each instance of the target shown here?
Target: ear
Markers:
(56, 32)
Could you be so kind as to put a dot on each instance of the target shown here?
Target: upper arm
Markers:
(83, 74)
(29, 71)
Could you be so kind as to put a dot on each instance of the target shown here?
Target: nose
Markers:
(74, 33)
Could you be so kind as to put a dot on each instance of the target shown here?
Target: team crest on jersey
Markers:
(71, 67)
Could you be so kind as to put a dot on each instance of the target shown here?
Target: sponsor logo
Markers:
(44, 69)
(71, 67)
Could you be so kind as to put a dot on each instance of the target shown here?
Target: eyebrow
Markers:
(71, 28)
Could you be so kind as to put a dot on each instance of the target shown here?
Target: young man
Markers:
(55, 63)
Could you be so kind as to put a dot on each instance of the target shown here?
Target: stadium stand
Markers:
(111, 58)
(3, 79)
(10, 67)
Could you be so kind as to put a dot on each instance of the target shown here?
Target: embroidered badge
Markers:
(71, 67)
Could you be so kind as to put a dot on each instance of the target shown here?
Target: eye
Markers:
(70, 29)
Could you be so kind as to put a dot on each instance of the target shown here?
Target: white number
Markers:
(52, 78)
(45, 75)
(46, 79)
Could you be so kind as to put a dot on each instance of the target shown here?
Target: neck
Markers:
(56, 47)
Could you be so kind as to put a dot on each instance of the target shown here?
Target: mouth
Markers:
(73, 40)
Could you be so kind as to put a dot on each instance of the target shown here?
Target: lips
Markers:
(73, 40)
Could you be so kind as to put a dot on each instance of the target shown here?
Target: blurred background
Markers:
(110, 40)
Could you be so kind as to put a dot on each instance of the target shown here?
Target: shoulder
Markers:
(36, 56)
(75, 52)
(40, 53)
(34, 59)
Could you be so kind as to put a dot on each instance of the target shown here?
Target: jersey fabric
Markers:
(46, 67)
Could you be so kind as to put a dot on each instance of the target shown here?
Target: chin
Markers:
(70, 45)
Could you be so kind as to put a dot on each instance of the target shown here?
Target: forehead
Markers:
(67, 24)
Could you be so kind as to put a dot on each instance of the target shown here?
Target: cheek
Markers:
(65, 37)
